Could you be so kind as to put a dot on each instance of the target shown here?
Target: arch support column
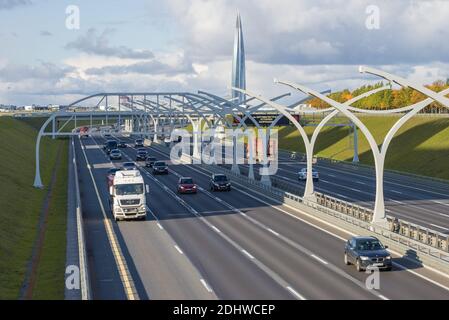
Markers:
(380, 217)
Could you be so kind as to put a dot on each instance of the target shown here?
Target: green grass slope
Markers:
(20, 209)
(421, 146)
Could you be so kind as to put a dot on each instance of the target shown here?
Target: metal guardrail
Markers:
(405, 228)
(418, 238)
(84, 274)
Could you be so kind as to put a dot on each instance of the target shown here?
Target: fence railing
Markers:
(418, 238)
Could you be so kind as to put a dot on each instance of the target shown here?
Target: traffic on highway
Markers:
(277, 251)
(224, 159)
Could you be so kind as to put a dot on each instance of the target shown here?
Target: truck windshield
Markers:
(129, 189)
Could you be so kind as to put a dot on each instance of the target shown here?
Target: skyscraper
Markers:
(238, 63)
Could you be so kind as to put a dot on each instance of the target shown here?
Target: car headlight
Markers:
(364, 258)
(388, 258)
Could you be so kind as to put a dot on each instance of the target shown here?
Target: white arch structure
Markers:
(205, 105)
(345, 108)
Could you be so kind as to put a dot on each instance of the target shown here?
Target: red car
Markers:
(186, 185)
(110, 176)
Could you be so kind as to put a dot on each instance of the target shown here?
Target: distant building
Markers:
(238, 63)
(28, 108)
(53, 107)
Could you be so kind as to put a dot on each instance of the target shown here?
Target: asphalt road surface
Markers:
(226, 245)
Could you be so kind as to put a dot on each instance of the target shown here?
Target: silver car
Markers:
(302, 175)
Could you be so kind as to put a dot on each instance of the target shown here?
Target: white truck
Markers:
(127, 192)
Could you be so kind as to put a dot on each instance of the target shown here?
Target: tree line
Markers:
(386, 99)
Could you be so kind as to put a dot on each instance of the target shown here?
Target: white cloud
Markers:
(316, 43)
(98, 44)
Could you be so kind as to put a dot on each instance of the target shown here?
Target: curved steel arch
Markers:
(308, 143)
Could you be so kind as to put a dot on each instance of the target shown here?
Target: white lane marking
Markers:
(273, 232)
(204, 283)
(179, 249)
(435, 225)
(387, 181)
(329, 232)
(319, 259)
(126, 278)
(216, 229)
(360, 182)
(344, 240)
(263, 267)
(395, 191)
(439, 202)
(296, 294)
(288, 241)
(383, 297)
(247, 253)
(160, 226)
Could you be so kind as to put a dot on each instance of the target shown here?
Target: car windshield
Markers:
(113, 171)
(128, 164)
(160, 164)
(187, 181)
(151, 159)
(368, 245)
(221, 178)
(304, 170)
(115, 151)
(129, 189)
(139, 141)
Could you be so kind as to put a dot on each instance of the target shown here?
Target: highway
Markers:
(421, 201)
(234, 245)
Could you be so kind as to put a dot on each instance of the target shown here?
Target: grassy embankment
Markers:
(421, 146)
(21, 206)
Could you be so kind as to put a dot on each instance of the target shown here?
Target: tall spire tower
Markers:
(238, 63)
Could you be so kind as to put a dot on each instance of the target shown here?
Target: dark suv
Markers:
(150, 161)
(219, 182)
(142, 154)
(138, 143)
(160, 167)
(110, 145)
(367, 252)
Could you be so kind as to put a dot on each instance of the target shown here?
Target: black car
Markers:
(138, 143)
(160, 167)
(141, 154)
(220, 182)
(150, 161)
(367, 252)
(129, 166)
(121, 144)
(110, 145)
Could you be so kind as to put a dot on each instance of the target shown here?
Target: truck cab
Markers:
(128, 196)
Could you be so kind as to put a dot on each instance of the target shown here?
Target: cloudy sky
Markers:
(178, 45)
